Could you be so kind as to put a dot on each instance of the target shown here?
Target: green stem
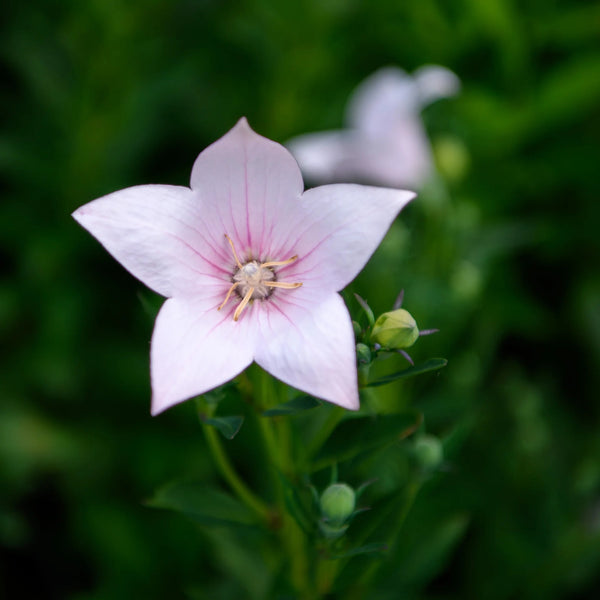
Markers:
(232, 478)
(276, 434)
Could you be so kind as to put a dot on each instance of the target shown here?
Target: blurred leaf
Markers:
(427, 558)
(295, 506)
(431, 365)
(366, 549)
(219, 394)
(228, 426)
(203, 504)
(355, 436)
(292, 407)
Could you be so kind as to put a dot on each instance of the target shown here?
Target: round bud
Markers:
(428, 452)
(363, 354)
(396, 330)
(337, 503)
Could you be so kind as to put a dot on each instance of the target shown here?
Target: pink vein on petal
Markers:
(248, 233)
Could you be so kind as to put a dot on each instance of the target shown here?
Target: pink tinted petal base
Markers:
(312, 349)
(246, 183)
(196, 348)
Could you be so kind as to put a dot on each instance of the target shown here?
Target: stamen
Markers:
(279, 263)
(282, 284)
(237, 260)
(242, 304)
(228, 294)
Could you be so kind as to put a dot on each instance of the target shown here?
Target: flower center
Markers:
(255, 281)
(254, 275)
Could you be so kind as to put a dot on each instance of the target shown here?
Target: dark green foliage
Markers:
(503, 258)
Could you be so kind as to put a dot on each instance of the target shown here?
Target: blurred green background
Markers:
(105, 94)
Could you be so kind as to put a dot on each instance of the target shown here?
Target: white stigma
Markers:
(255, 281)
(254, 275)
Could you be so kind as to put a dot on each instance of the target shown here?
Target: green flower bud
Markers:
(452, 157)
(357, 329)
(363, 354)
(337, 504)
(396, 329)
(428, 452)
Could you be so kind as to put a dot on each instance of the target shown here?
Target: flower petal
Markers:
(246, 182)
(311, 348)
(154, 232)
(382, 98)
(196, 348)
(435, 82)
(335, 233)
(329, 156)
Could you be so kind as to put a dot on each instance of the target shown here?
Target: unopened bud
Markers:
(363, 354)
(337, 504)
(429, 452)
(452, 157)
(396, 329)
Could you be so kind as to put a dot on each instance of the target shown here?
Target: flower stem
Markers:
(232, 478)
(277, 440)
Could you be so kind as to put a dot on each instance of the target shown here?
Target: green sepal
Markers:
(293, 407)
(432, 364)
(355, 436)
(203, 504)
(366, 308)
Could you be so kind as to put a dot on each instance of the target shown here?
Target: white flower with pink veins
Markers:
(385, 142)
(250, 264)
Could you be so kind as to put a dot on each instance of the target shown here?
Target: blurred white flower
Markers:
(385, 142)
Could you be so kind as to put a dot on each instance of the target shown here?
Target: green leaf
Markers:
(366, 549)
(203, 504)
(295, 506)
(292, 407)
(219, 394)
(228, 426)
(432, 364)
(355, 436)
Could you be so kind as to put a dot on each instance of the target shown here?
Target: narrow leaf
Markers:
(355, 436)
(203, 504)
(228, 426)
(367, 549)
(293, 407)
(295, 506)
(431, 365)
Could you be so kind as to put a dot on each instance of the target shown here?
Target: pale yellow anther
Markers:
(254, 281)
(237, 260)
(279, 263)
(282, 284)
(242, 304)
(228, 294)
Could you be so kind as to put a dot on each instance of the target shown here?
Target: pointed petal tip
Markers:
(159, 405)
(243, 125)
(353, 406)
